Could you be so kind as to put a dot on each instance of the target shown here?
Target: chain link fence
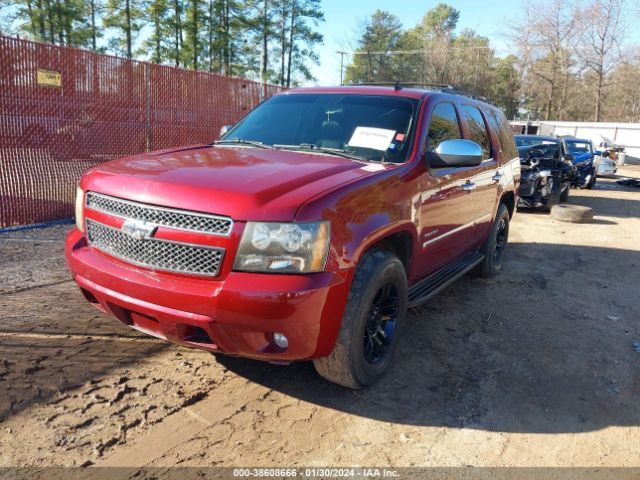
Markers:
(63, 110)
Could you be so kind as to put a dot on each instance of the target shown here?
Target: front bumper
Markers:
(606, 169)
(529, 196)
(584, 174)
(236, 315)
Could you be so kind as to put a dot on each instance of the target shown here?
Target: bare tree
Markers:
(623, 89)
(601, 43)
(548, 36)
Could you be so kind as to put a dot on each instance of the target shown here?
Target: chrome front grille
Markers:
(155, 253)
(160, 216)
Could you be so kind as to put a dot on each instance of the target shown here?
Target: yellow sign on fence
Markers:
(49, 78)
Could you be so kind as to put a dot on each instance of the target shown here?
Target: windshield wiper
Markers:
(240, 141)
(309, 147)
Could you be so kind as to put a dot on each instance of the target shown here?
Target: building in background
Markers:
(625, 135)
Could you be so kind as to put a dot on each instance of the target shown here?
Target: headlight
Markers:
(80, 209)
(283, 247)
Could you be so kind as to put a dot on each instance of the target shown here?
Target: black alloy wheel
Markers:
(372, 323)
(495, 246)
(501, 240)
(380, 328)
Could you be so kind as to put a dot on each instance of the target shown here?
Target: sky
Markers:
(344, 19)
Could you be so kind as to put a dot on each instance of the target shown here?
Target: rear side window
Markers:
(477, 129)
(443, 125)
(499, 123)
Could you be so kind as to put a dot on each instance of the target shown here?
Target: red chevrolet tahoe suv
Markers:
(307, 230)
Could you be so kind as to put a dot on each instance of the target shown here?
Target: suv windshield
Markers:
(530, 141)
(578, 146)
(369, 127)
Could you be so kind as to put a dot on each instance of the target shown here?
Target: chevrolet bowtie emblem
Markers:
(138, 229)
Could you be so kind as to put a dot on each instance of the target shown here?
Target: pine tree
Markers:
(156, 44)
(125, 19)
(304, 17)
(381, 34)
(213, 34)
(60, 22)
(266, 32)
(194, 44)
(36, 14)
(239, 23)
(92, 11)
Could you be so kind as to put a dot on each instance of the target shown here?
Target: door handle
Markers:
(496, 178)
(469, 186)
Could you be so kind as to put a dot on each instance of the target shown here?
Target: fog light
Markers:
(280, 340)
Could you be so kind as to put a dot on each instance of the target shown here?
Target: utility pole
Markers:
(475, 83)
(265, 55)
(342, 54)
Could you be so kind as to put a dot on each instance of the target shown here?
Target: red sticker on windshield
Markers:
(400, 137)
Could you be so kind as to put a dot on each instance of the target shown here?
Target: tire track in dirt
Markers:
(535, 367)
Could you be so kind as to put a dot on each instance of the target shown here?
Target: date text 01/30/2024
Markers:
(315, 472)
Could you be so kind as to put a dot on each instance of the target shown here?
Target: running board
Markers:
(432, 285)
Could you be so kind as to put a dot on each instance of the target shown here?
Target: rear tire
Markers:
(371, 325)
(495, 246)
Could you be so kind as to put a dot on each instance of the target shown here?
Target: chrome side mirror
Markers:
(225, 129)
(457, 153)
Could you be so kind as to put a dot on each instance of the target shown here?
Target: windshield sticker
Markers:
(400, 137)
(374, 138)
(374, 167)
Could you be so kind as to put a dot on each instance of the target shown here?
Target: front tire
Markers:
(564, 196)
(554, 195)
(373, 320)
(495, 246)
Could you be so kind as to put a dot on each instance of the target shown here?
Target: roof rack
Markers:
(469, 95)
(443, 87)
(398, 85)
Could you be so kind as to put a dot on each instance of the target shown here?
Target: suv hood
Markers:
(243, 183)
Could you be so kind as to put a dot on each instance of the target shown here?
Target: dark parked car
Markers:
(546, 175)
(580, 151)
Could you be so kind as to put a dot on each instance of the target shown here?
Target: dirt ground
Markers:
(536, 367)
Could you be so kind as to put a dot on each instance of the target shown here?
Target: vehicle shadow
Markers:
(608, 207)
(545, 347)
(542, 213)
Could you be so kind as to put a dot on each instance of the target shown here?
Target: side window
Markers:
(443, 125)
(501, 126)
(477, 129)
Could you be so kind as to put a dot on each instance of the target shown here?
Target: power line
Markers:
(408, 52)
